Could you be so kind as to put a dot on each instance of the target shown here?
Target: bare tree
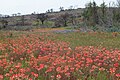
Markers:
(62, 20)
(72, 19)
(22, 20)
(118, 3)
(64, 17)
(42, 17)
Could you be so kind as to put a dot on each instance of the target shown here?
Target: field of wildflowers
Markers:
(32, 56)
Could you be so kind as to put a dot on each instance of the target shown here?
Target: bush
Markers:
(19, 28)
(113, 29)
(35, 23)
(49, 23)
(57, 24)
(95, 28)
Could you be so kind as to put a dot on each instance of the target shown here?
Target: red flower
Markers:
(41, 66)
(112, 70)
(58, 69)
(89, 60)
(1, 76)
(34, 74)
(58, 76)
(118, 75)
(29, 51)
(116, 64)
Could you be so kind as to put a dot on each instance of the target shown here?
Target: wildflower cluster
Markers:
(32, 57)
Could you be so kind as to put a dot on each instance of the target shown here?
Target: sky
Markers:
(8, 7)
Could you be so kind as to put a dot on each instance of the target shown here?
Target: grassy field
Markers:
(88, 39)
(98, 39)
(44, 54)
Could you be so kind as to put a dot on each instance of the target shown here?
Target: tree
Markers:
(72, 19)
(61, 8)
(118, 11)
(19, 14)
(64, 17)
(48, 11)
(14, 14)
(88, 11)
(95, 13)
(91, 13)
(71, 7)
(62, 20)
(51, 10)
(4, 23)
(103, 14)
(103, 7)
(22, 20)
(118, 3)
(42, 17)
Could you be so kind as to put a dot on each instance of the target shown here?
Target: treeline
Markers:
(49, 19)
(107, 16)
(92, 17)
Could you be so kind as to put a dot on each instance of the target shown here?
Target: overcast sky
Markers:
(29, 6)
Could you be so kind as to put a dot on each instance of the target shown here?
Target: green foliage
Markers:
(102, 16)
(100, 76)
(49, 23)
(95, 28)
(36, 23)
(103, 7)
(116, 16)
(88, 11)
(20, 28)
(113, 29)
(89, 39)
(91, 14)
(24, 64)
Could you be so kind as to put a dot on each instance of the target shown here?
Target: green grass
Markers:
(88, 39)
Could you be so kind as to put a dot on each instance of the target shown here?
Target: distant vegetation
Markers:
(91, 18)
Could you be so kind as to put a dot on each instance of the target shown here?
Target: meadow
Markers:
(44, 54)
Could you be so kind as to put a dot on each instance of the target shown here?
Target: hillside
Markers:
(94, 19)
(31, 19)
